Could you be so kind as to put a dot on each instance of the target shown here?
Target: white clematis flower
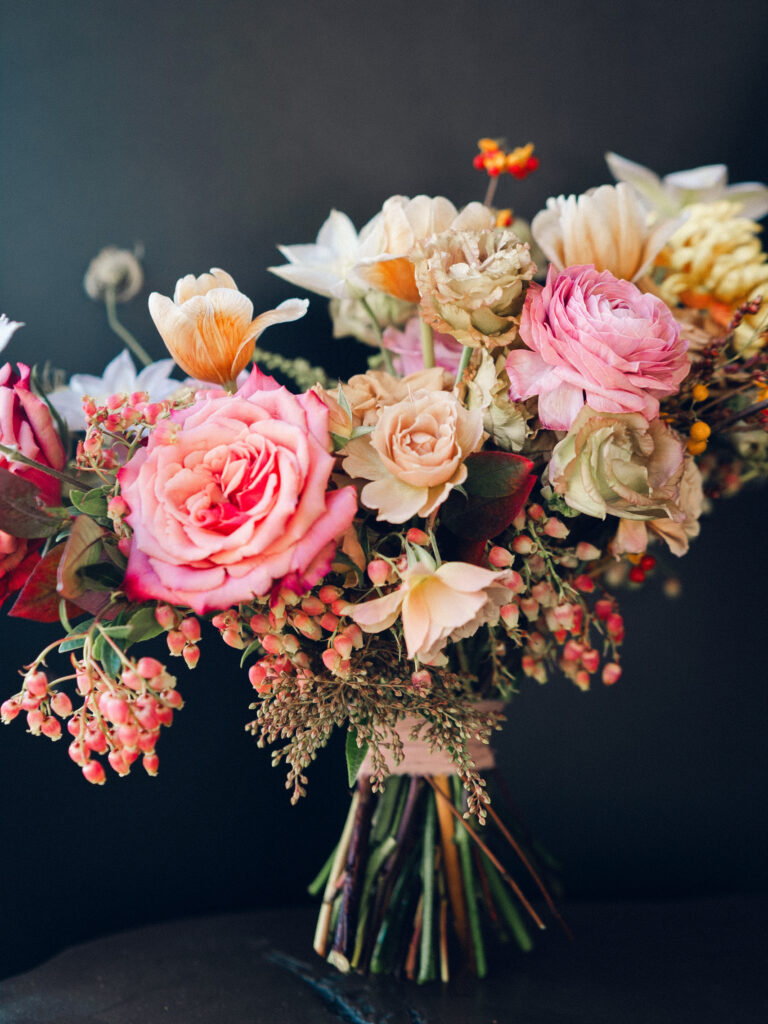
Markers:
(119, 377)
(7, 330)
(669, 195)
(325, 266)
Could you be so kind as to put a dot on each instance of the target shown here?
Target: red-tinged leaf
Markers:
(82, 547)
(22, 513)
(38, 598)
(497, 487)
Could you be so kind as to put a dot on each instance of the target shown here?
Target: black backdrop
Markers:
(211, 131)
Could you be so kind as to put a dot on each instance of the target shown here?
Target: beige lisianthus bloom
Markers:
(472, 284)
(633, 535)
(208, 326)
(606, 227)
(437, 606)
(415, 454)
(715, 258)
(619, 464)
(367, 394)
(387, 240)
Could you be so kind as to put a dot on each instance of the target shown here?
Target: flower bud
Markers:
(378, 572)
(500, 558)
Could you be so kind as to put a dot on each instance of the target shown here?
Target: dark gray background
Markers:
(211, 131)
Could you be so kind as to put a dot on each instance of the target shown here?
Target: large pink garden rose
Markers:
(26, 424)
(595, 340)
(236, 501)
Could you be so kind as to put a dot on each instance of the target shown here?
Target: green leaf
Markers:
(102, 576)
(107, 655)
(252, 647)
(21, 512)
(77, 641)
(91, 503)
(83, 548)
(355, 755)
(143, 625)
(497, 487)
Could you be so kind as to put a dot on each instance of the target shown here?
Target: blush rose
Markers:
(595, 340)
(235, 500)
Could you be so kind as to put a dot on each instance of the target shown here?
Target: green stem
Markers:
(461, 839)
(506, 906)
(16, 456)
(386, 354)
(123, 333)
(427, 345)
(466, 355)
(427, 951)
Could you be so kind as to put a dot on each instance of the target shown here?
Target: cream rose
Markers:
(415, 454)
(619, 464)
(472, 284)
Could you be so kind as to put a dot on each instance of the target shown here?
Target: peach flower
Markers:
(606, 227)
(367, 394)
(437, 605)
(386, 241)
(237, 499)
(415, 454)
(208, 326)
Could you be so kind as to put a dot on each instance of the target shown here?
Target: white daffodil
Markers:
(7, 330)
(119, 377)
(669, 195)
(325, 266)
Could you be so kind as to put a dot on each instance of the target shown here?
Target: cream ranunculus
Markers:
(449, 603)
(619, 464)
(606, 227)
(415, 454)
(208, 326)
(472, 284)
(389, 237)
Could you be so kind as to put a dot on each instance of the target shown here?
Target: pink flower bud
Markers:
(116, 710)
(147, 741)
(51, 728)
(118, 763)
(191, 655)
(35, 721)
(148, 668)
(590, 659)
(165, 616)
(500, 558)
(582, 679)
(417, 536)
(257, 675)
(9, 709)
(331, 660)
(313, 605)
(530, 608)
(519, 521)
(37, 684)
(611, 673)
(176, 642)
(587, 552)
(342, 645)
(190, 627)
(523, 545)
(29, 702)
(355, 634)
(173, 698)
(544, 593)
(378, 572)
(584, 583)
(272, 644)
(421, 680)
(116, 507)
(61, 705)
(329, 622)
(603, 608)
(96, 741)
(328, 594)
(615, 626)
(128, 736)
(514, 582)
(535, 512)
(150, 763)
(259, 624)
(573, 650)
(510, 615)
(556, 528)
(94, 772)
(232, 637)
(77, 752)
(124, 546)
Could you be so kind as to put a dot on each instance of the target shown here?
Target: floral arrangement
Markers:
(547, 412)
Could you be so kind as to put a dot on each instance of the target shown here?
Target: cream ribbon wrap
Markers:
(418, 759)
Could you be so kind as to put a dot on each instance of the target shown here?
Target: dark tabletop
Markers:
(630, 963)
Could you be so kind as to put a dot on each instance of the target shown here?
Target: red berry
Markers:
(636, 574)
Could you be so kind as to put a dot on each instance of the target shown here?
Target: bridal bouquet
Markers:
(548, 410)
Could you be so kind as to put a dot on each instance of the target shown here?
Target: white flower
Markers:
(669, 195)
(115, 270)
(325, 266)
(7, 330)
(119, 377)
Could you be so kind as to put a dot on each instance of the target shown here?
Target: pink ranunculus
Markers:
(235, 500)
(26, 424)
(406, 347)
(595, 340)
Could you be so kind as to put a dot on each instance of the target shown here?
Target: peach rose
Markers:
(415, 454)
(235, 501)
(437, 605)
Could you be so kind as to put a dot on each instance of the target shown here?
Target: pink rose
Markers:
(25, 423)
(406, 345)
(595, 340)
(236, 500)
